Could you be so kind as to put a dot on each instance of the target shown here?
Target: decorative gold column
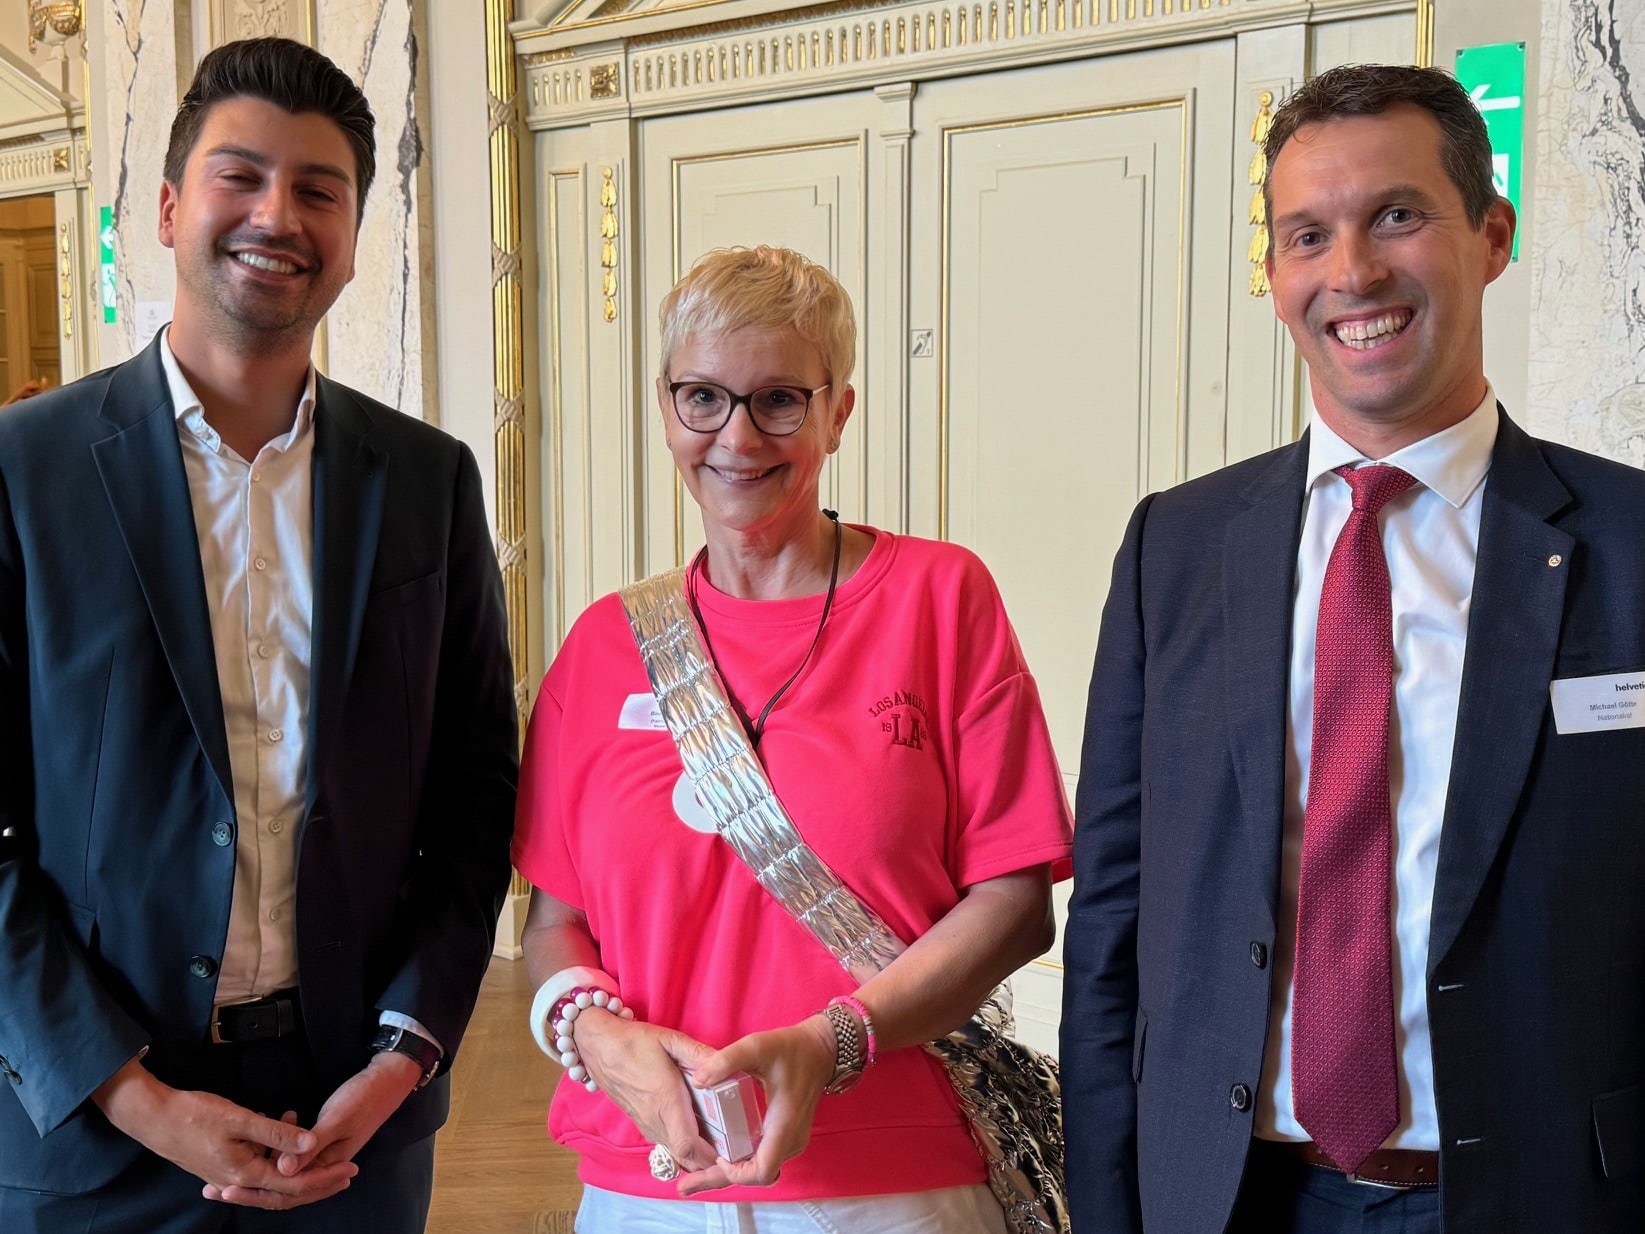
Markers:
(1425, 33)
(508, 360)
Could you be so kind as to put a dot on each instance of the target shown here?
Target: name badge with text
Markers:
(641, 711)
(1598, 704)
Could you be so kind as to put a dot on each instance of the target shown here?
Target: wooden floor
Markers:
(496, 1171)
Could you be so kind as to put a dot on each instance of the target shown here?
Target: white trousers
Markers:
(952, 1210)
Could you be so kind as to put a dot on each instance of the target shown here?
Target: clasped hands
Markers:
(645, 1068)
(240, 1156)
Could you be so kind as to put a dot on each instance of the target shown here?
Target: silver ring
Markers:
(663, 1166)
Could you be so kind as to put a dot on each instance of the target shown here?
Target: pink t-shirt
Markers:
(913, 756)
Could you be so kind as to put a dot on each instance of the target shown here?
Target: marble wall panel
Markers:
(1587, 363)
(380, 328)
(140, 93)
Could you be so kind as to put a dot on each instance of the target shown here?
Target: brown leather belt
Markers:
(1387, 1167)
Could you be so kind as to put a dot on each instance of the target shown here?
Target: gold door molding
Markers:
(1425, 33)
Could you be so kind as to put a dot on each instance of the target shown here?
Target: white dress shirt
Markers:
(1431, 537)
(255, 523)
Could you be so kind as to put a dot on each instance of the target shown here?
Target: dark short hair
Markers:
(289, 75)
(1370, 90)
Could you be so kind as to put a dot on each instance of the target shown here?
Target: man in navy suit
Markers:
(1357, 939)
(257, 727)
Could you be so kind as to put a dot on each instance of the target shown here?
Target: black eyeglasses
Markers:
(777, 411)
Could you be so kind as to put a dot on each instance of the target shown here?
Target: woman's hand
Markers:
(792, 1065)
(641, 1067)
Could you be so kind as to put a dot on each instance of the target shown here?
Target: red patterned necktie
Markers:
(1344, 1084)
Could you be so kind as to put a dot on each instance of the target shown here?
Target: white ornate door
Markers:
(1070, 294)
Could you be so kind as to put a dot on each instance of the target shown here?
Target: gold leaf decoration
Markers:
(1257, 253)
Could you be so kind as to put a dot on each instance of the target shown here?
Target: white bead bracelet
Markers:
(564, 1020)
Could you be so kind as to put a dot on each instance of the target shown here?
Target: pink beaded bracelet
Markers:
(855, 1006)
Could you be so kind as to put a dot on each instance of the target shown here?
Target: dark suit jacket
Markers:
(114, 764)
(1536, 978)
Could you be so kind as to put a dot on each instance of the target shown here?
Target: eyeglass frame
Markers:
(745, 400)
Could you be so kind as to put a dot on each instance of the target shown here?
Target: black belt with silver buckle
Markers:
(262, 1019)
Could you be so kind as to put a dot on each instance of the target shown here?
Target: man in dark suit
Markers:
(257, 737)
(1361, 816)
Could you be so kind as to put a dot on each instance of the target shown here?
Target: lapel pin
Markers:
(1555, 560)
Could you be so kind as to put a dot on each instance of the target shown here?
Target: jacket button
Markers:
(201, 966)
(222, 835)
(1259, 955)
(1239, 1097)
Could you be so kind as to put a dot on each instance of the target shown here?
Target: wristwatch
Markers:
(420, 1050)
(848, 1049)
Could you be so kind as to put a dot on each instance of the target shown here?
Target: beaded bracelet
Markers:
(564, 1019)
(854, 1005)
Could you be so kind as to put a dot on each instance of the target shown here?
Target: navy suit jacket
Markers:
(1536, 978)
(114, 764)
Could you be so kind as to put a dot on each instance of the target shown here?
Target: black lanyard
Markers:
(756, 730)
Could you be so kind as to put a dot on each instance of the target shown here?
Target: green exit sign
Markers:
(1494, 77)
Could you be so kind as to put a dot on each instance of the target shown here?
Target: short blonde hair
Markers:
(765, 287)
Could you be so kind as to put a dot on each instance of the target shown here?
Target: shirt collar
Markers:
(191, 414)
(1452, 462)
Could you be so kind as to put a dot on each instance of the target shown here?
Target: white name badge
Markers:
(1598, 704)
(641, 711)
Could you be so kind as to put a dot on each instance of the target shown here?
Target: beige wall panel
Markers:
(1061, 418)
(1265, 378)
(569, 428)
(791, 174)
(1082, 332)
(1391, 39)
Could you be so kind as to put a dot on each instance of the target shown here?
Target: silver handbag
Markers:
(1011, 1095)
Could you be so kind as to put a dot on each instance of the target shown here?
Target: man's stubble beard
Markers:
(253, 334)
(250, 329)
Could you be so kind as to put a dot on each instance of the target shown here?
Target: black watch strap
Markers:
(419, 1049)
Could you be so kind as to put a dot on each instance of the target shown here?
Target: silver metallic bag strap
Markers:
(732, 784)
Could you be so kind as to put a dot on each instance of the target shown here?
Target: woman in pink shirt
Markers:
(879, 681)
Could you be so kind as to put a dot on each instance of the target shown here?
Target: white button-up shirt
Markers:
(1431, 538)
(255, 523)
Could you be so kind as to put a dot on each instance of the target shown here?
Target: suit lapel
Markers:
(1258, 587)
(350, 473)
(141, 466)
(1513, 633)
